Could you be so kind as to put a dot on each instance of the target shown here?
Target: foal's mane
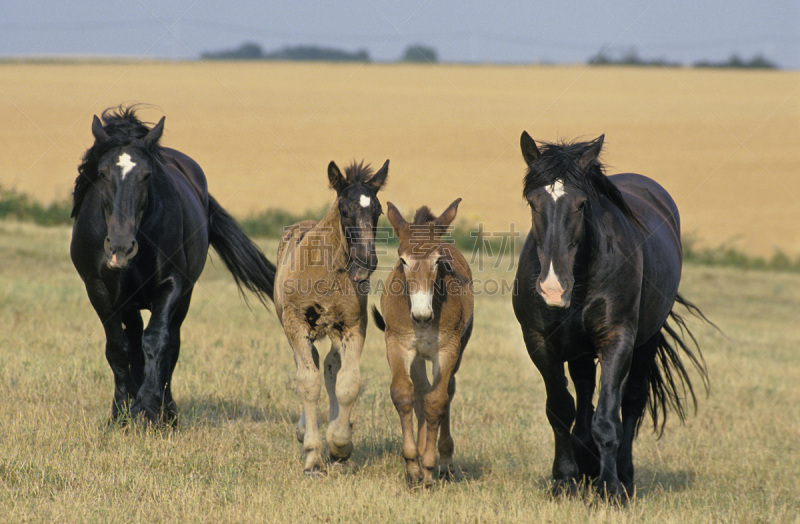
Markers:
(358, 172)
(423, 216)
(559, 161)
(124, 128)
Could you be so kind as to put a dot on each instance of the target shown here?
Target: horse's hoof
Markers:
(314, 471)
(447, 474)
(341, 453)
(565, 488)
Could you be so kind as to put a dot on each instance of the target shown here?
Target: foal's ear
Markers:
(446, 218)
(592, 152)
(529, 150)
(98, 131)
(154, 134)
(379, 179)
(337, 180)
(397, 221)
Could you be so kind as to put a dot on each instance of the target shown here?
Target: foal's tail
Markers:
(670, 385)
(248, 265)
(376, 315)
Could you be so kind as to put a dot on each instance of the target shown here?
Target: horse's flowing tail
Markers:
(670, 385)
(376, 315)
(248, 265)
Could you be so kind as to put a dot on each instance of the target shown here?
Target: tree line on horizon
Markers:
(419, 53)
(251, 51)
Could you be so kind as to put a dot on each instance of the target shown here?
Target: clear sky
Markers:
(563, 31)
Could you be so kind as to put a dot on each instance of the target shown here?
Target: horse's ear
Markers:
(592, 152)
(399, 223)
(446, 218)
(154, 134)
(529, 150)
(379, 179)
(337, 180)
(98, 131)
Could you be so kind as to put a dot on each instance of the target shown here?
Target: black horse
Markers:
(143, 224)
(597, 279)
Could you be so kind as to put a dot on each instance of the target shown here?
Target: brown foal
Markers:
(427, 304)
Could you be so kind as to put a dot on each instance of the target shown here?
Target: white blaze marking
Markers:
(551, 287)
(364, 201)
(126, 164)
(421, 305)
(556, 190)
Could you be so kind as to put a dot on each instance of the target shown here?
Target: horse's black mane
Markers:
(123, 128)
(560, 162)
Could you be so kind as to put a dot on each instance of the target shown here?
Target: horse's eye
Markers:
(404, 261)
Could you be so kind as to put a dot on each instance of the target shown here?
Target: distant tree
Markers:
(251, 51)
(420, 54)
(314, 53)
(246, 51)
(736, 62)
(628, 57)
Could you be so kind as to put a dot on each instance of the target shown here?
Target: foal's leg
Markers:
(583, 373)
(446, 446)
(436, 402)
(308, 388)
(347, 388)
(634, 401)
(419, 377)
(402, 391)
(560, 412)
(332, 366)
(615, 359)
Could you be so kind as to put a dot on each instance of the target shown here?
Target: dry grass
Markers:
(235, 458)
(722, 142)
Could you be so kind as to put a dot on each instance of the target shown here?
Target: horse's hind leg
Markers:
(347, 386)
(583, 373)
(634, 401)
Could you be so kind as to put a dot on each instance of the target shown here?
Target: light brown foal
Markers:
(321, 288)
(427, 305)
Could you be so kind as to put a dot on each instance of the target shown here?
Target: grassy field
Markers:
(722, 142)
(235, 459)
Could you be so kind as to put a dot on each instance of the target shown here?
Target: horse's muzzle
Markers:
(119, 254)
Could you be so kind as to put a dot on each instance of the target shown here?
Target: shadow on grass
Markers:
(650, 482)
(389, 449)
(216, 411)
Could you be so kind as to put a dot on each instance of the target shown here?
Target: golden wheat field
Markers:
(724, 143)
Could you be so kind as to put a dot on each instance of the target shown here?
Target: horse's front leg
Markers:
(117, 348)
(154, 399)
(615, 360)
(583, 373)
(560, 408)
(346, 386)
(118, 357)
